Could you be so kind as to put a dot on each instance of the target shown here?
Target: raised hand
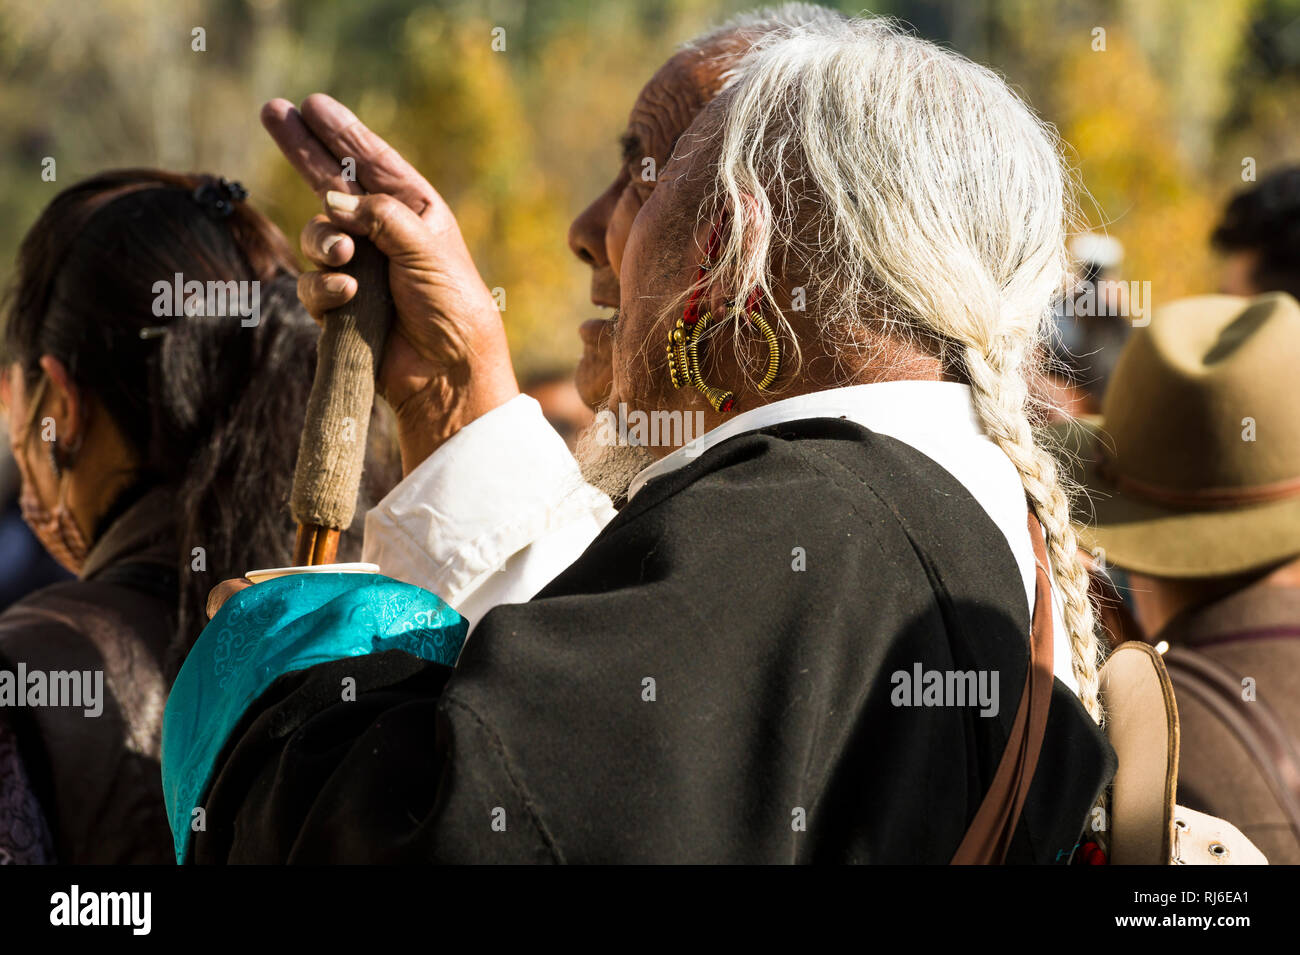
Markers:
(446, 361)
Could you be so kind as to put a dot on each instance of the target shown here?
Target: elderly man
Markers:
(827, 629)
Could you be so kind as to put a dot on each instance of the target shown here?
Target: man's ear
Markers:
(66, 404)
(757, 222)
(755, 215)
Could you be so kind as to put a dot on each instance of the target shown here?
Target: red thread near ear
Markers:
(692, 312)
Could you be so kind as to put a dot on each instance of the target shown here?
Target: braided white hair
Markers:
(919, 195)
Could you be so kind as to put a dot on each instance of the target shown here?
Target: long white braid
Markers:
(918, 195)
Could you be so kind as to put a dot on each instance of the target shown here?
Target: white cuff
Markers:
(492, 516)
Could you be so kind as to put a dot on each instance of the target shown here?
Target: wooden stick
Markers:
(333, 447)
(315, 545)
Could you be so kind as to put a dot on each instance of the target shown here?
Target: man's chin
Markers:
(609, 467)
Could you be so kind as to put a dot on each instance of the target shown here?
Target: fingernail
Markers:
(330, 243)
(342, 201)
(336, 282)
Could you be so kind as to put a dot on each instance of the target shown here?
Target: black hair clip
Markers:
(217, 198)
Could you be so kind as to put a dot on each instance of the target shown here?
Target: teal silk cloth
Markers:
(277, 627)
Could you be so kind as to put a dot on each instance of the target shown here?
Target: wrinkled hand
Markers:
(446, 361)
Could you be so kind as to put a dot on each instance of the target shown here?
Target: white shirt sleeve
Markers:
(491, 517)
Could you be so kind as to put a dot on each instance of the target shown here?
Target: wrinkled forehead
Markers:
(696, 153)
(673, 98)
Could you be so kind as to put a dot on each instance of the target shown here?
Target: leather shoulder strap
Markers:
(990, 833)
(1257, 727)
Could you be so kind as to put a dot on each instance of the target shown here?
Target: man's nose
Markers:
(587, 233)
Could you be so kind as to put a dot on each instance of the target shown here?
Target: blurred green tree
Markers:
(520, 139)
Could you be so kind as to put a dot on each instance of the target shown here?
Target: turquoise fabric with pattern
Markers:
(277, 627)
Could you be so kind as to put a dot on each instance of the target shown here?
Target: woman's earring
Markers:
(54, 460)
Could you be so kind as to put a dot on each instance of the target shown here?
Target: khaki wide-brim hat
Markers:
(1193, 467)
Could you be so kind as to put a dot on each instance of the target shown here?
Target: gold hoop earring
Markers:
(684, 345)
(773, 346)
(685, 339)
(684, 362)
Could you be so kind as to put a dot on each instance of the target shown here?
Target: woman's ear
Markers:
(65, 404)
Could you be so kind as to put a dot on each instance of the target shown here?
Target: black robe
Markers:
(770, 590)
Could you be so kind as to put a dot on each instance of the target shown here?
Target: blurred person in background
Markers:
(1259, 237)
(156, 454)
(1193, 471)
(1091, 325)
(1090, 330)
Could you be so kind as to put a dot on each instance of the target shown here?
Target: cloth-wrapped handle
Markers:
(332, 452)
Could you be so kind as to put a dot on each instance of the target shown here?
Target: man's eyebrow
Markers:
(631, 146)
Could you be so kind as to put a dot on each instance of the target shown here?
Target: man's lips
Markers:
(604, 287)
(591, 330)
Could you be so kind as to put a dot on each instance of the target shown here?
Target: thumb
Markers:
(391, 225)
(223, 592)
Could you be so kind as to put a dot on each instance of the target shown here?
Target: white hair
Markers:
(781, 20)
(916, 196)
(733, 39)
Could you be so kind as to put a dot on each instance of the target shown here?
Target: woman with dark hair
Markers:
(157, 366)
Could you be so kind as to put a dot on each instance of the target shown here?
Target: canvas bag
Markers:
(1146, 825)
